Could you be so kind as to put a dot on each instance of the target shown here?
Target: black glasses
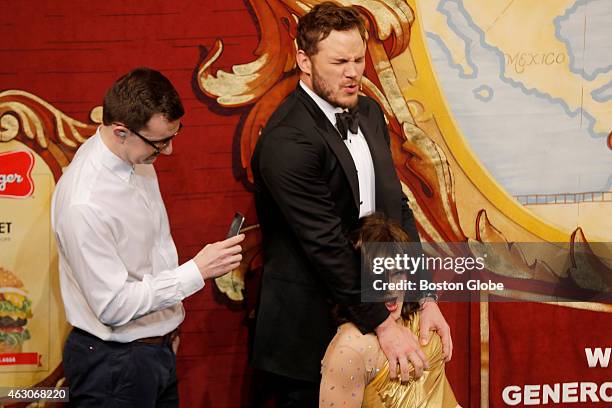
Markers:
(158, 145)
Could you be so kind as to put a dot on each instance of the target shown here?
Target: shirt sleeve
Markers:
(343, 378)
(89, 246)
(408, 224)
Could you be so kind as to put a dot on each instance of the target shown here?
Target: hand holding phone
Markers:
(224, 256)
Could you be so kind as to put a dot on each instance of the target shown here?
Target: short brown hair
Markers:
(137, 96)
(316, 25)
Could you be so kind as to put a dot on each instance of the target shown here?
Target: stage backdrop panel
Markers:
(500, 133)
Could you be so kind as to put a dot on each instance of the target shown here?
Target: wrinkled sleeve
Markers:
(87, 242)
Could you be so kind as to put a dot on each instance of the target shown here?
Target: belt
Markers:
(164, 340)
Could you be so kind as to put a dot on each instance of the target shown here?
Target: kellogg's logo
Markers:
(15, 174)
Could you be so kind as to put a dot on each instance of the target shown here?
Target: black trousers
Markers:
(287, 392)
(110, 374)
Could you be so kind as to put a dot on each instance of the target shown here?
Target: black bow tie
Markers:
(348, 120)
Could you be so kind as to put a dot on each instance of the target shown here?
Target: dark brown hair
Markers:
(377, 228)
(316, 25)
(137, 96)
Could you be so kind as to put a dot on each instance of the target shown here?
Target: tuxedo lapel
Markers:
(334, 141)
(370, 125)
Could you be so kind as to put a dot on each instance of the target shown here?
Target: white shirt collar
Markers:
(111, 161)
(328, 109)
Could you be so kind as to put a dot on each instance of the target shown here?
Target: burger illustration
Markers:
(15, 310)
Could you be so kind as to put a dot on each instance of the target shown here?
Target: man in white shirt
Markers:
(120, 280)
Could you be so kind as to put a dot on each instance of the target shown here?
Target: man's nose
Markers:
(350, 70)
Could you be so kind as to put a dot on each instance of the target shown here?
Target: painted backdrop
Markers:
(499, 113)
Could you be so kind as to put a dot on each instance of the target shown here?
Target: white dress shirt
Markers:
(360, 152)
(119, 273)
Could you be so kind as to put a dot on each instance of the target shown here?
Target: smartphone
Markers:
(236, 225)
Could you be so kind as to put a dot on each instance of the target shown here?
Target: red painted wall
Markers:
(68, 53)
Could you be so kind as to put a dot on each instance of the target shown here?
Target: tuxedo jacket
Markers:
(307, 200)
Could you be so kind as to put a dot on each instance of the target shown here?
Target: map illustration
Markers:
(529, 84)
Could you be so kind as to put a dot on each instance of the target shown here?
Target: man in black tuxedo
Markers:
(319, 167)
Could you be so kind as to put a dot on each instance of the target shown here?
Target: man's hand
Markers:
(219, 258)
(432, 320)
(400, 345)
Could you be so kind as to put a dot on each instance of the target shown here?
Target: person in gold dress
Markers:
(355, 371)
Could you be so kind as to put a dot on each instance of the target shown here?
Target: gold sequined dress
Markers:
(355, 373)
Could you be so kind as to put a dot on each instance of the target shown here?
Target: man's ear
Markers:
(119, 132)
(303, 62)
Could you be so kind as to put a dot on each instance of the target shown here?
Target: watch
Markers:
(428, 297)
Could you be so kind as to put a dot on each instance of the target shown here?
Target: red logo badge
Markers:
(16, 174)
